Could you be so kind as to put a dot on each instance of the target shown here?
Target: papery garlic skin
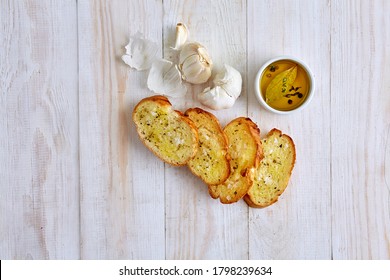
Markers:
(216, 98)
(226, 90)
(140, 52)
(230, 80)
(182, 35)
(195, 63)
(165, 78)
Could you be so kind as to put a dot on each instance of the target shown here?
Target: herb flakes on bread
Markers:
(246, 152)
(234, 162)
(272, 176)
(211, 162)
(167, 133)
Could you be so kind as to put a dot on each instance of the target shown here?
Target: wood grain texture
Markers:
(76, 182)
(198, 227)
(360, 120)
(39, 184)
(298, 226)
(122, 186)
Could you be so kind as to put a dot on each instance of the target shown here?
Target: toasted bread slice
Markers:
(167, 133)
(272, 176)
(211, 162)
(246, 152)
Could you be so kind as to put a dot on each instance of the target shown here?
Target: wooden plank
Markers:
(122, 183)
(298, 226)
(360, 129)
(131, 205)
(39, 185)
(198, 227)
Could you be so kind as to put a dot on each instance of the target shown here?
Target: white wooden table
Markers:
(76, 182)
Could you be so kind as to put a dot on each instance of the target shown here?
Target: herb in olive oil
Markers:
(284, 85)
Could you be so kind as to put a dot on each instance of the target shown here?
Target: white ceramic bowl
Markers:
(260, 96)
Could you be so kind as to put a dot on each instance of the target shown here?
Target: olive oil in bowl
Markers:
(284, 84)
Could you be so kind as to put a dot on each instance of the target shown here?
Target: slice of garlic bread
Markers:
(272, 176)
(244, 147)
(167, 133)
(211, 162)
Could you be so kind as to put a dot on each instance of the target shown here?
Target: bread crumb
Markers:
(268, 180)
(179, 141)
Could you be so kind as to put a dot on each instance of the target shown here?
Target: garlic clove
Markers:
(182, 35)
(227, 88)
(140, 52)
(195, 63)
(165, 78)
(193, 70)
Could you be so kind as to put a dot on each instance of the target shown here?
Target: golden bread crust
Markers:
(246, 152)
(234, 162)
(272, 176)
(212, 161)
(169, 134)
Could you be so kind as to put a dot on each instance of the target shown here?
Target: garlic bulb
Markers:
(227, 88)
(165, 78)
(140, 53)
(195, 63)
(182, 34)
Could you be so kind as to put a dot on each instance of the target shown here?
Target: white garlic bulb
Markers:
(227, 88)
(195, 63)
